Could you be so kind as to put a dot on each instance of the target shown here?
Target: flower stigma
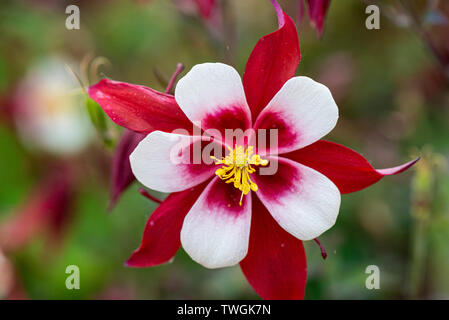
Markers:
(237, 167)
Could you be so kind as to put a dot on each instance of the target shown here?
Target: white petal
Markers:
(303, 201)
(215, 232)
(163, 162)
(212, 95)
(303, 111)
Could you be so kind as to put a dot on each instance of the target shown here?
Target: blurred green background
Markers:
(394, 104)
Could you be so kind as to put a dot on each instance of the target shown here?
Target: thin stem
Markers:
(84, 66)
(145, 193)
(421, 199)
(95, 65)
(171, 83)
(419, 255)
(323, 251)
(77, 78)
(163, 81)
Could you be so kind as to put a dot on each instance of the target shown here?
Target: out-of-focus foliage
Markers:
(392, 107)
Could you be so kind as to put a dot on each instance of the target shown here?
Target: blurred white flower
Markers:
(49, 109)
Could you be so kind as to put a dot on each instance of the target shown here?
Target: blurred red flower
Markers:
(47, 208)
(317, 10)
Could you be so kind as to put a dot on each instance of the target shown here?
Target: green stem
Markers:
(420, 211)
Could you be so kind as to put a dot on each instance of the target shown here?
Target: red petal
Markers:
(275, 265)
(273, 61)
(139, 108)
(122, 175)
(317, 13)
(161, 238)
(346, 168)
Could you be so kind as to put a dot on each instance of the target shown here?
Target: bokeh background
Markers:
(391, 86)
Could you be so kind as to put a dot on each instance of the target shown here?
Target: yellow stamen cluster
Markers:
(237, 166)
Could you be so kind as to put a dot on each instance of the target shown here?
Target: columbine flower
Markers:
(227, 212)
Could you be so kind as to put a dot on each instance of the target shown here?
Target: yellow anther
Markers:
(237, 167)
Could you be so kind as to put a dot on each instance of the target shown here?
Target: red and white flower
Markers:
(225, 212)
